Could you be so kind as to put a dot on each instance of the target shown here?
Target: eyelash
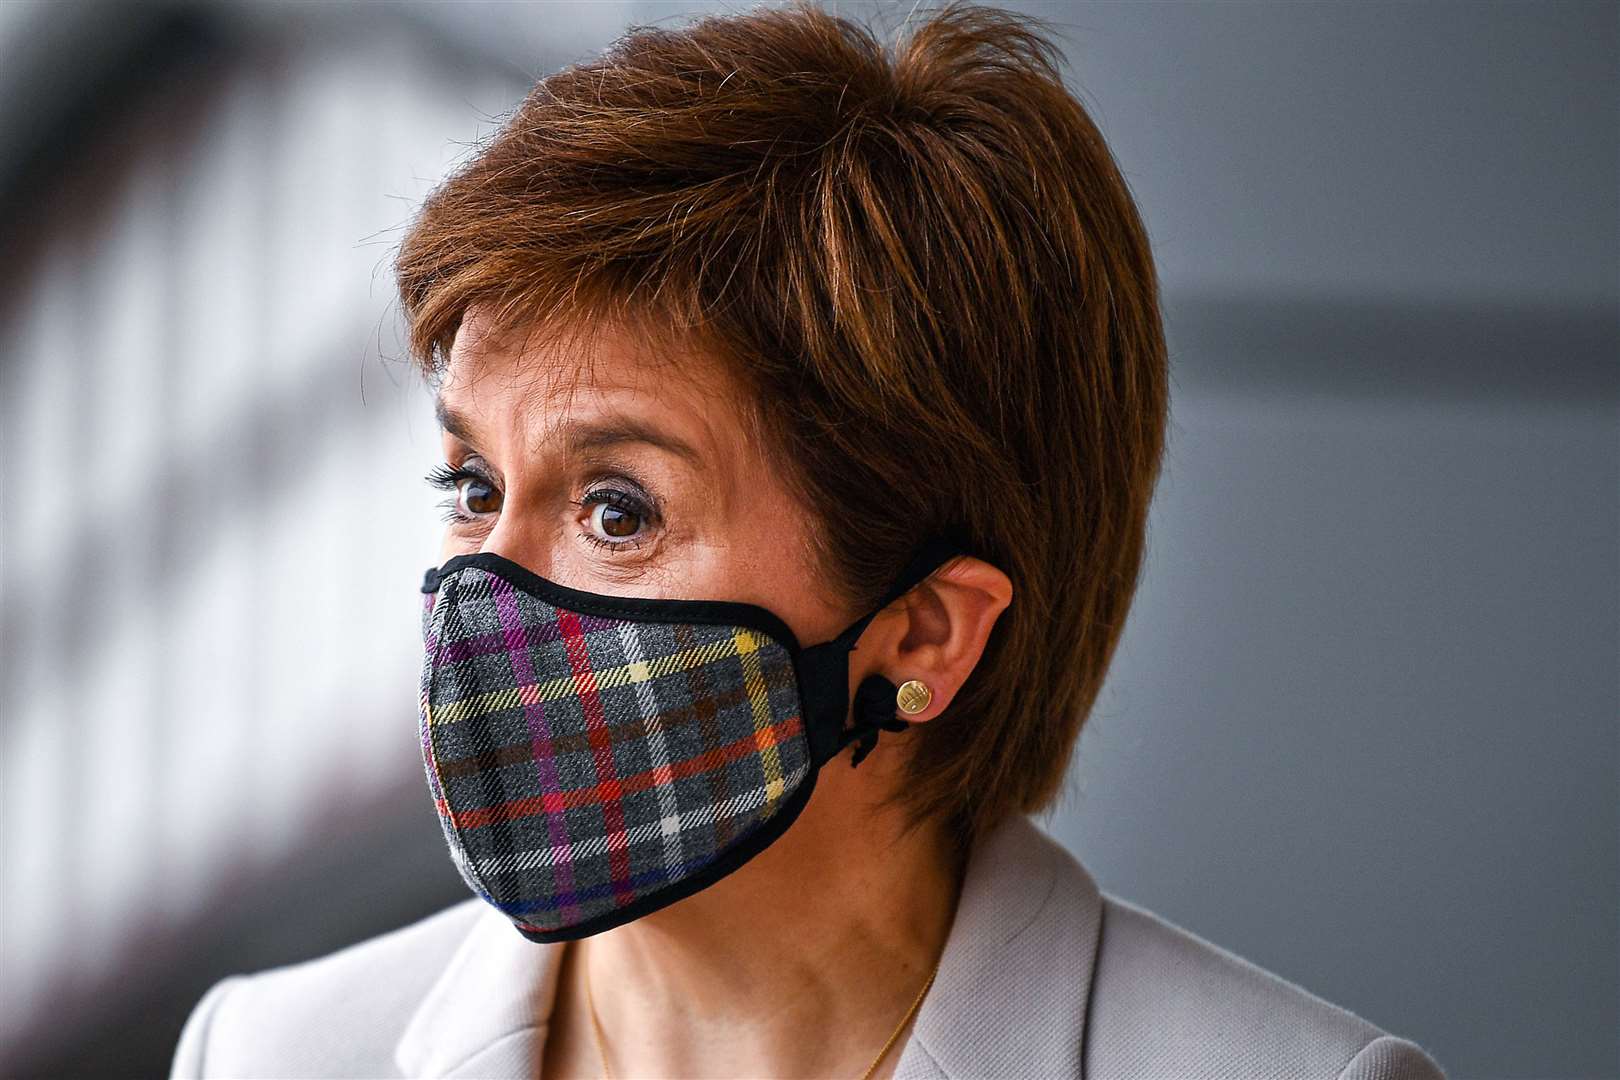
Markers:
(448, 477)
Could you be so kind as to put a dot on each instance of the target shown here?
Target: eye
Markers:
(474, 495)
(617, 518)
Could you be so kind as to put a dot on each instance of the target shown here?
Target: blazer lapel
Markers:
(485, 1014)
(1009, 999)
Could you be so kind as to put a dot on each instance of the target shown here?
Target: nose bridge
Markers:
(519, 541)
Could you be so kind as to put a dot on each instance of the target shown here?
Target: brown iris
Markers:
(618, 522)
(477, 497)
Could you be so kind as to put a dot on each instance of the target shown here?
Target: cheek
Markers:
(775, 551)
(451, 544)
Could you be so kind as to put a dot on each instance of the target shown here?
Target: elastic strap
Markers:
(824, 668)
(928, 557)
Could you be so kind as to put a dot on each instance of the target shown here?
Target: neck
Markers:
(829, 933)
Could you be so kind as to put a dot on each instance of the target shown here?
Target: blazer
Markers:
(1042, 975)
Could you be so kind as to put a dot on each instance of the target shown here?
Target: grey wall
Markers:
(1362, 726)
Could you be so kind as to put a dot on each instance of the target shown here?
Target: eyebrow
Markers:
(579, 436)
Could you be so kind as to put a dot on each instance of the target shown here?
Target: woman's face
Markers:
(621, 472)
(629, 471)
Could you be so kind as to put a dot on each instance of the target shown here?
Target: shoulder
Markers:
(1167, 1002)
(1044, 974)
(339, 1013)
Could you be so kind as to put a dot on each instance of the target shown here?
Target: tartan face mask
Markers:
(593, 758)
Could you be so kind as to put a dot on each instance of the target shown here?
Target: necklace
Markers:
(601, 1048)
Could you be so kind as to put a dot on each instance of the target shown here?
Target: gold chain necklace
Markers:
(601, 1048)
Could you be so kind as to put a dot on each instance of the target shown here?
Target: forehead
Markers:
(530, 382)
(556, 364)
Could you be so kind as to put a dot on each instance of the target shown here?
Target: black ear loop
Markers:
(824, 669)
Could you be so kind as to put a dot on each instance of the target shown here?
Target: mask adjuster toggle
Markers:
(873, 712)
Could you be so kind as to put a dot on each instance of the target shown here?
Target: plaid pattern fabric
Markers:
(580, 763)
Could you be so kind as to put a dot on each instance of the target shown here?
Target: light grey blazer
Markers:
(1042, 976)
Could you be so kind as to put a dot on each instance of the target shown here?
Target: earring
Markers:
(913, 696)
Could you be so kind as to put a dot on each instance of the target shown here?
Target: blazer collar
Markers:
(1009, 1000)
(1010, 997)
(485, 1014)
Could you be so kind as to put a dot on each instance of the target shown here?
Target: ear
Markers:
(939, 629)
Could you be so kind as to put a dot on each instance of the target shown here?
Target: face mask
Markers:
(593, 758)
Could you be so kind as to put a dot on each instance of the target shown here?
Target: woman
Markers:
(802, 403)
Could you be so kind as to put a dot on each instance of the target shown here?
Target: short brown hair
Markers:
(926, 266)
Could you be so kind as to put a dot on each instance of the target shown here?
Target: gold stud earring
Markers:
(913, 696)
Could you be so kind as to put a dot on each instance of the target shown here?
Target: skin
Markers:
(801, 962)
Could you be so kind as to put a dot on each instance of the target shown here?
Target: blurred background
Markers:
(1364, 727)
